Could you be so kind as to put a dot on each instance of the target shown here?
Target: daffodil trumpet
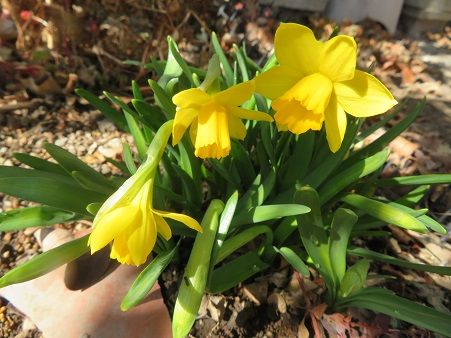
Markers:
(128, 219)
(317, 82)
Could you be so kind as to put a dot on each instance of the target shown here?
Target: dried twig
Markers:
(20, 105)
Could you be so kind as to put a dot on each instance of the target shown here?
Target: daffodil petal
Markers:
(112, 223)
(293, 116)
(313, 92)
(190, 98)
(336, 122)
(120, 251)
(142, 238)
(213, 138)
(193, 131)
(121, 196)
(250, 114)
(188, 221)
(296, 47)
(163, 227)
(276, 81)
(364, 95)
(235, 95)
(237, 129)
(338, 58)
(183, 118)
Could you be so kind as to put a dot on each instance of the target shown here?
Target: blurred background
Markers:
(50, 47)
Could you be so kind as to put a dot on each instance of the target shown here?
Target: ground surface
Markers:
(37, 106)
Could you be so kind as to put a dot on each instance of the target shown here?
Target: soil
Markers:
(37, 105)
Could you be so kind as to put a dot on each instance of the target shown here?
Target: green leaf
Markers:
(136, 90)
(234, 243)
(432, 224)
(241, 62)
(175, 52)
(39, 186)
(211, 81)
(413, 212)
(72, 163)
(266, 140)
(257, 193)
(228, 72)
(40, 164)
(420, 214)
(413, 197)
(384, 212)
(314, 236)
(308, 196)
(355, 277)
(362, 252)
(22, 218)
(190, 163)
(132, 119)
(104, 107)
(145, 281)
(263, 159)
(268, 212)
(235, 72)
(232, 273)
(138, 136)
(297, 164)
(151, 114)
(282, 146)
(172, 70)
(224, 224)
(316, 243)
(337, 183)
(320, 173)
(415, 180)
(335, 32)
(243, 163)
(89, 184)
(163, 100)
(128, 158)
(169, 194)
(295, 261)
(284, 230)
(340, 230)
(383, 121)
(271, 62)
(93, 208)
(385, 139)
(385, 301)
(189, 187)
(219, 167)
(196, 273)
(46, 262)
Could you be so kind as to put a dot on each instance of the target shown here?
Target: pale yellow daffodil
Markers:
(128, 219)
(214, 118)
(317, 82)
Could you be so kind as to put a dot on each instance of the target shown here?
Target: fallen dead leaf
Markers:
(278, 301)
(303, 332)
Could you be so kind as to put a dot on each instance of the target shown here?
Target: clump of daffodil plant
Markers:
(266, 154)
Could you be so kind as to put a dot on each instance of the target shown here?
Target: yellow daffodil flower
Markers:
(214, 118)
(127, 217)
(317, 82)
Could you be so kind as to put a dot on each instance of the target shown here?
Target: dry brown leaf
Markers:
(319, 310)
(303, 332)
